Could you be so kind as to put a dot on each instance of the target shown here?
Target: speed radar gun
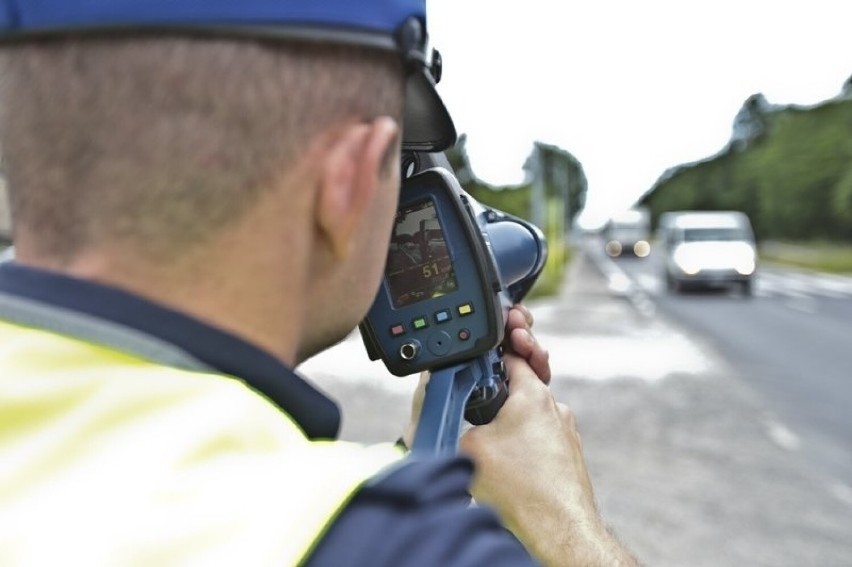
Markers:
(454, 269)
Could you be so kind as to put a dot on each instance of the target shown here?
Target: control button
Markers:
(420, 323)
(439, 343)
(464, 335)
(397, 330)
(442, 316)
(465, 309)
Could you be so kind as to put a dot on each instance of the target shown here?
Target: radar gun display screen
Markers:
(419, 266)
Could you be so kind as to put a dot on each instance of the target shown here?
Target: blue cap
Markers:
(397, 25)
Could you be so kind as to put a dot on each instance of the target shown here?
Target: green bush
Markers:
(794, 181)
(812, 255)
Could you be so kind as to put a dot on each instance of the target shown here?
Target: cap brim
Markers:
(427, 125)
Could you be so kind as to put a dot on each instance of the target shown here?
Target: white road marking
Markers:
(799, 285)
(621, 284)
(782, 436)
(842, 492)
(650, 356)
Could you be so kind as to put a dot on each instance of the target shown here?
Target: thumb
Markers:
(521, 375)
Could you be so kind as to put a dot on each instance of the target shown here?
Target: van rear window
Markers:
(714, 234)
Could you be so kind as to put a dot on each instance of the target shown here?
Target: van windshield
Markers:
(714, 234)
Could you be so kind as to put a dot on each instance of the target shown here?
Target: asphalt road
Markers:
(695, 458)
(792, 341)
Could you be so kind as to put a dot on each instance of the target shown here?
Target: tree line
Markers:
(789, 168)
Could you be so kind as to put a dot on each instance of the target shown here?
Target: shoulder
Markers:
(418, 513)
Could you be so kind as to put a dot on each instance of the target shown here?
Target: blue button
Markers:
(442, 316)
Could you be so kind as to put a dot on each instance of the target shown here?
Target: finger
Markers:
(528, 316)
(516, 320)
(416, 408)
(522, 378)
(423, 379)
(525, 345)
(540, 363)
(522, 342)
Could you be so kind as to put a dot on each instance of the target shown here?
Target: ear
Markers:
(351, 173)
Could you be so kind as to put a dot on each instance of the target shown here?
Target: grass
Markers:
(550, 281)
(820, 256)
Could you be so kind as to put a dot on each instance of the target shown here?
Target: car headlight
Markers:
(743, 259)
(745, 266)
(686, 261)
(642, 249)
(613, 248)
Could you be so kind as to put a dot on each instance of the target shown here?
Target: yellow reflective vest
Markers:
(107, 458)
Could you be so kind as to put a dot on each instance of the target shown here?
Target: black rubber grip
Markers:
(482, 407)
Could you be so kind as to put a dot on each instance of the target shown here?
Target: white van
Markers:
(707, 249)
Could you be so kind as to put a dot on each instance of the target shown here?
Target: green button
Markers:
(420, 323)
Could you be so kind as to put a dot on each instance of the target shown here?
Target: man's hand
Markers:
(529, 461)
(518, 340)
(530, 465)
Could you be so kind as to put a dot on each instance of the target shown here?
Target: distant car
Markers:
(628, 233)
(707, 249)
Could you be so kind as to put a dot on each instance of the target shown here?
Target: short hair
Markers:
(157, 141)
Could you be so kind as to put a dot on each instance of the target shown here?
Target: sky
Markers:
(630, 88)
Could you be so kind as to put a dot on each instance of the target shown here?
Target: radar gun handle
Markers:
(475, 390)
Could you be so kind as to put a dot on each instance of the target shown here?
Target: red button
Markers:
(397, 330)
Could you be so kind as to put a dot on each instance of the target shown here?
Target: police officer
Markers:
(203, 194)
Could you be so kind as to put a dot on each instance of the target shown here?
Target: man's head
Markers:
(157, 143)
(158, 146)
